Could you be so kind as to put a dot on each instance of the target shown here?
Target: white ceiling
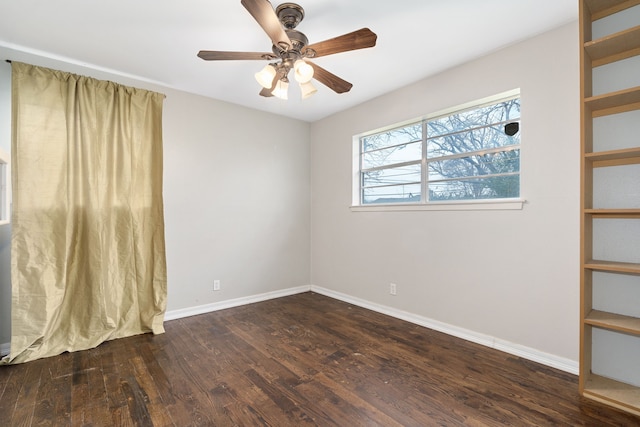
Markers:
(157, 41)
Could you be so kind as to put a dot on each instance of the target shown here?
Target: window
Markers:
(4, 188)
(469, 154)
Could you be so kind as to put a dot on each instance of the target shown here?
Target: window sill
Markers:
(494, 205)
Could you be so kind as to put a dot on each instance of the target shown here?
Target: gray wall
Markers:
(512, 275)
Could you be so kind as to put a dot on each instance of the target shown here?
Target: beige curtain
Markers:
(88, 254)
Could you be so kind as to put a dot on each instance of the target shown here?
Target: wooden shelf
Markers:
(602, 8)
(627, 156)
(614, 213)
(614, 267)
(614, 102)
(614, 47)
(613, 322)
(611, 392)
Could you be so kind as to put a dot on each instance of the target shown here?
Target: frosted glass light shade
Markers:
(303, 71)
(307, 89)
(281, 89)
(266, 75)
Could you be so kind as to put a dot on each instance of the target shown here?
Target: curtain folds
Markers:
(88, 250)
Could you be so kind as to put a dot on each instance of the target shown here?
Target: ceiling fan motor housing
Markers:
(298, 41)
(290, 15)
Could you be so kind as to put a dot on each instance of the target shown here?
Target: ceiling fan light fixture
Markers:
(290, 48)
(307, 89)
(266, 75)
(303, 71)
(281, 89)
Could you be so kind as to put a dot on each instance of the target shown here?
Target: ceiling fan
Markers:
(291, 51)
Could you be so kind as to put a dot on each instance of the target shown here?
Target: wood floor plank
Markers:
(111, 377)
(12, 379)
(302, 360)
(188, 399)
(26, 399)
(53, 405)
(136, 401)
(157, 412)
(60, 378)
(79, 388)
(341, 405)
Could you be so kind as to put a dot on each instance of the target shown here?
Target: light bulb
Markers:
(303, 71)
(281, 89)
(307, 89)
(266, 75)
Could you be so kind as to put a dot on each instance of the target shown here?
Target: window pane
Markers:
(393, 137)
(389, 156)
(392, 194)
(469, 154)
(484, 116)
(474, 140)
(488, 164)
(495, 187)
(392, 176)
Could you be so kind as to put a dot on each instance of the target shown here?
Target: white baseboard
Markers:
(528, 353)
(208, 308)
(5, 348)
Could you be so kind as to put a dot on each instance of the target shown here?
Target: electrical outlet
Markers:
(216, 285)
(392, 288)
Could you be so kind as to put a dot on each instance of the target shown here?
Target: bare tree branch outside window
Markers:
(469, 155)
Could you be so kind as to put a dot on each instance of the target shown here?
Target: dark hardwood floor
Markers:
(295, 361)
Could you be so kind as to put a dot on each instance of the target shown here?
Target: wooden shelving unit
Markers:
(614, 322)
(615, 47)
(614, 267)
(602, 159)
(612, 392)
(609, 49)
(614, 103)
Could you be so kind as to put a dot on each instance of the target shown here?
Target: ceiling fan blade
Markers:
(359, 39)
(216, 55)
(266, 92)
(263, 12)
(329, 79)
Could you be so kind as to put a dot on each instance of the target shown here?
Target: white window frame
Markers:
(5, 188)
(477, 204)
